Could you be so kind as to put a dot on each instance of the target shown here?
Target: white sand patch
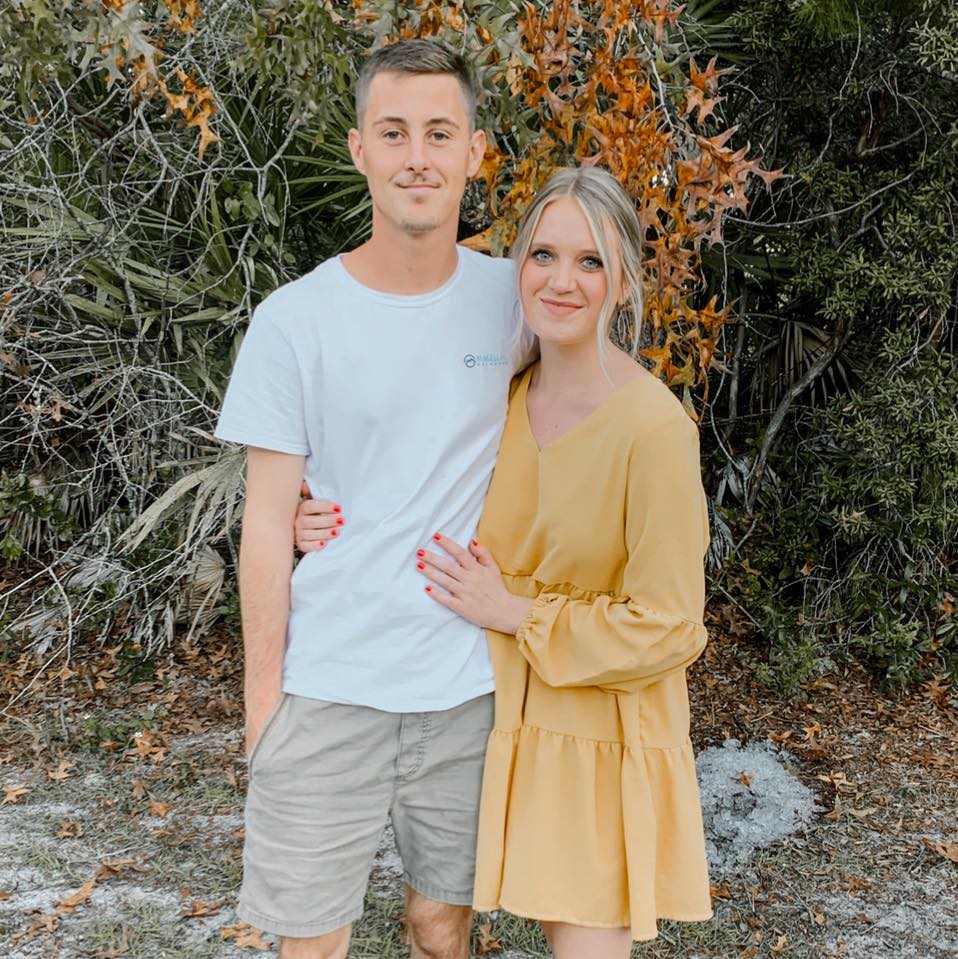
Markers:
(749, 800)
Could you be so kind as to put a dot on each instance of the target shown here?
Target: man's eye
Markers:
(439, 135)
(391, 135)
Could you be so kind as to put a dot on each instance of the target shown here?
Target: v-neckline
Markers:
(575, 426)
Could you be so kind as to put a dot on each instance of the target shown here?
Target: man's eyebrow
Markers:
(432, 121)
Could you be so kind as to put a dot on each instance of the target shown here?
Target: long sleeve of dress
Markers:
(626, 642)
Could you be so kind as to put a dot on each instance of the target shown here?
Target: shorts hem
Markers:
(296, 930)
(436, 894)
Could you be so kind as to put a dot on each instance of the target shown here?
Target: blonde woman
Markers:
(587, 572)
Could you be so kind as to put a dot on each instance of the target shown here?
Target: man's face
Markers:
(416, 149)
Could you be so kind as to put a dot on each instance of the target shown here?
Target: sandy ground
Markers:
(831, 823)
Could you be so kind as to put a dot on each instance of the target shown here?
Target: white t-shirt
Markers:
(398, 404)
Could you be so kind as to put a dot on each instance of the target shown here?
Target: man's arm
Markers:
(266, 566)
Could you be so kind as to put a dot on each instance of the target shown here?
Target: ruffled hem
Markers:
(591, 832)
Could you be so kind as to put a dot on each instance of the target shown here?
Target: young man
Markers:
(382, 376)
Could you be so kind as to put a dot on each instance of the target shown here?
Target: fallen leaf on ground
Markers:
(62, 771)
(46, 922)
(139, 790)
(744, 778)
(487, 941)
(69, 903)
(198, 908)
(779, 946)
(4, 894)
(720, 892)
(12, 794)
(159, 808)
(947, 849)
(69, 829)
(245, 936)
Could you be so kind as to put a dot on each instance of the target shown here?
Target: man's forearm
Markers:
(266, 565)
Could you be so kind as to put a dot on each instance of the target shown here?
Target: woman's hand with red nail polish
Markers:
(472, 586)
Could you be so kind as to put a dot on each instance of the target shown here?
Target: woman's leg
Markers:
(575, 942)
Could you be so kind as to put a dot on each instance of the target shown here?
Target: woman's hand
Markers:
(318, 522)
(471, 585)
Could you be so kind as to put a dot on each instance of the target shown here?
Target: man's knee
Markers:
(331, 945)
(437, 930)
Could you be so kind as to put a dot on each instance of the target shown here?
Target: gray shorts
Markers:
(323, 780)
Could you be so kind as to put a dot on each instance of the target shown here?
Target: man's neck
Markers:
(393, 261)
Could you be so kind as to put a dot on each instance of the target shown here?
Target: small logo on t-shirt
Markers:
(484, 359)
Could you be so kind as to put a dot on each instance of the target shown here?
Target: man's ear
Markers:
(477, 150)
(356, 149)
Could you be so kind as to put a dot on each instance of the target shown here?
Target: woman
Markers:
(588, 575)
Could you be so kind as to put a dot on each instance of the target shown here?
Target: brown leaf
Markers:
(949, 850)
(159, 808)
(487, 942)
(13, 794)
(69, 829)
(720, 892)
(69, 903)
(138, 789)
(4, 894)
(245, 936)
(779, 946)
(62, 771)
(198, 908)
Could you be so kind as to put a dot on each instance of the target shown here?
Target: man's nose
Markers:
(417, 158)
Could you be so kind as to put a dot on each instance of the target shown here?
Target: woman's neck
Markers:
(571, 369)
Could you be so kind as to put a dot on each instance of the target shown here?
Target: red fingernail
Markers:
(420, 565)
(337, 509)
(428, 589)
(322, 543)
(475, 542)
(334, 532)
(340, 521)
(436, 537)
(420, 552)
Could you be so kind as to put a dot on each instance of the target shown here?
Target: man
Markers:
(381, 376)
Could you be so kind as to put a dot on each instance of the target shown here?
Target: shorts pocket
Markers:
(267, 726)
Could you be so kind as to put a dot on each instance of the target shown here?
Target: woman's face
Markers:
(563, 281)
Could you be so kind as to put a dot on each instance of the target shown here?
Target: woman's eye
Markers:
(592, 263)
(541, 256)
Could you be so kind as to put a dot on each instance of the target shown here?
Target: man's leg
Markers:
(321, 784)
(333, 945)
(435, 816)
(437, 930)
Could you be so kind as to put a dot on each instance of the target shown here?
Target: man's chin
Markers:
(418, 227)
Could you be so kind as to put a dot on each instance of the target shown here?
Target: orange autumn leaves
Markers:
(133, 51)
(612, 84)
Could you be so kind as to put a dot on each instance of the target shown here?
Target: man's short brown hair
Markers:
(415, 58)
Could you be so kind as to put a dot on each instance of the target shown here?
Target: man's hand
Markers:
(258, 709)
(318, 521)
(472, 586)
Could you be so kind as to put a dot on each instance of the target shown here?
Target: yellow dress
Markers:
(590, 805)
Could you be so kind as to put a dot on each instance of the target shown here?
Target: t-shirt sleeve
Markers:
(264, 402)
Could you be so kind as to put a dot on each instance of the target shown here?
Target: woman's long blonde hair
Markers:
(610, 213)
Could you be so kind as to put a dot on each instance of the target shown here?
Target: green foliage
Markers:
(857, 551)
(854, 263)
